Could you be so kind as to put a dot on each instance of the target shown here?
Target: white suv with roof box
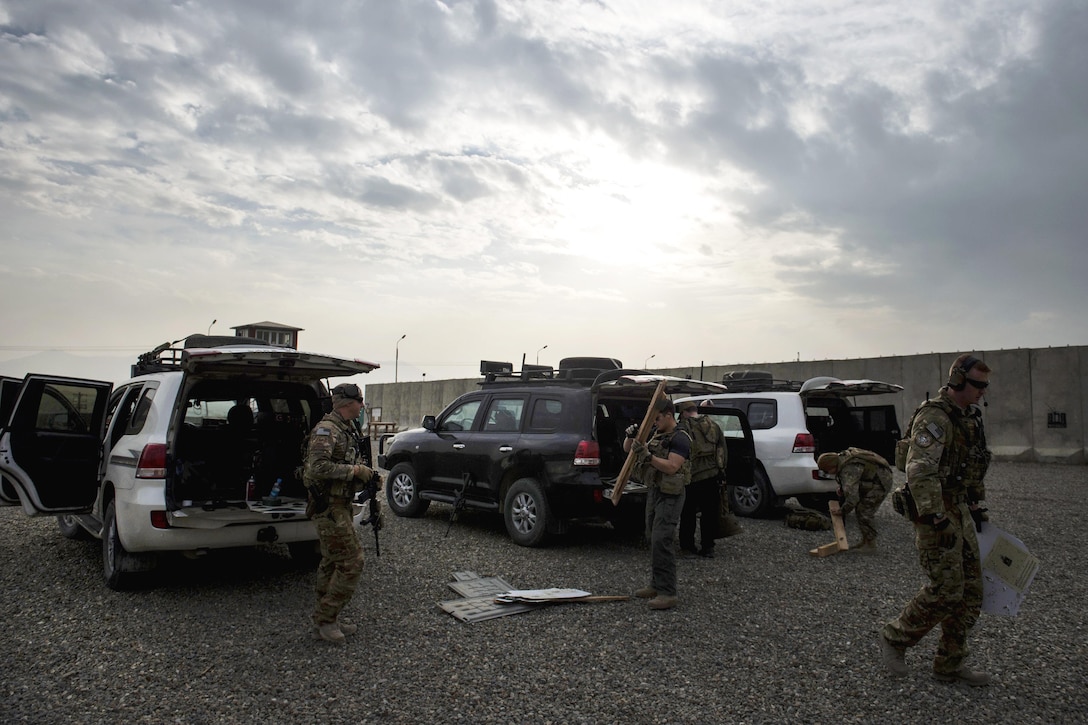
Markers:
(183, 457)
(793, 423)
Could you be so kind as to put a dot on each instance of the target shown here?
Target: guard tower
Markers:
(271, 332)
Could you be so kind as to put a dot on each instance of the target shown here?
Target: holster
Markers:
(903, 503)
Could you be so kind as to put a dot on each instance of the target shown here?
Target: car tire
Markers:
(403, 492)
(306, 554)
(754, 500)
(70, 528)
(526, 513)
(114, 555)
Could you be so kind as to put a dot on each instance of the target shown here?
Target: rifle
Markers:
(370, 494)
(459, 499)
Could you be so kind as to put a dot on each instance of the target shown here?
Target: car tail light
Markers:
(587, 454)
(159, 520)
(152, 461)
(804, 443)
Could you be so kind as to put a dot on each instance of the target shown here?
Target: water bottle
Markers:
(275, 493)
(251, 488)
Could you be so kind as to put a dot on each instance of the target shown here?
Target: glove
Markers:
(846, 508)
(979, 515)
(642, 453)
(632, 430)
(361, 472)
(946, 538)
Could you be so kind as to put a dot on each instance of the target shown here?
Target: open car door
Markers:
(51, 443)
(872, 427)
(9, 389)
(740, 466)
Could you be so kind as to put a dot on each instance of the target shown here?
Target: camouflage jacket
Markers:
(332, 453)
(947, 455)
(708, 451)
(861, 470)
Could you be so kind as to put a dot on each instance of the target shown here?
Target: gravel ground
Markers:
(764, 632)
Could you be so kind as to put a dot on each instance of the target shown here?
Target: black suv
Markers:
(542, 446)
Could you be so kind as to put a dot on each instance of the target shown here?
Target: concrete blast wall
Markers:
(1036, 401)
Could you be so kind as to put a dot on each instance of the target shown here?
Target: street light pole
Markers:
(210, 326)
(538, 354)
(648, 360)
(396, 363)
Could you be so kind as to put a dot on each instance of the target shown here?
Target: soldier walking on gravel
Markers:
(945, 466)
(334, 473)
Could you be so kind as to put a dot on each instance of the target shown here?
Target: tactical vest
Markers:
(708, 452)
(346, 450)
(965, 458)
(673, 483)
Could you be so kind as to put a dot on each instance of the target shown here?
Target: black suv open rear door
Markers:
(51, 443)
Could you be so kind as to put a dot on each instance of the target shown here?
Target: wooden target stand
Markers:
(839, 544)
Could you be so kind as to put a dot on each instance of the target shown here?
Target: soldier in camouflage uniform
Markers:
(333, 474)
(662, 464)
(703, 495)
(864, 482)
(945, 465)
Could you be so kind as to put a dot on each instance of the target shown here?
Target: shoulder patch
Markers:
(935, 430)
(322, 431)
(923, 440)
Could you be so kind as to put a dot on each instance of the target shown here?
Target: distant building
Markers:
(272, 332)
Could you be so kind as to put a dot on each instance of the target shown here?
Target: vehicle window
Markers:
(730, 425)
(208, 413)
(875, 420)
(504, 415)
(120, 413)
(762, 414)
(546, 414)
(139, 416)
(66, 408)
(461, 417)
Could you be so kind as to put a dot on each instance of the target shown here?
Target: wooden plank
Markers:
(643, 436)
(825, 550)
(838, 524)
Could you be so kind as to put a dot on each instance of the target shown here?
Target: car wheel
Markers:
(120, 567)
(526, 513)
(70, 528)
(307, 554)
(403, 492)
(754, 500)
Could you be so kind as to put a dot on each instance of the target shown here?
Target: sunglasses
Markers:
(979, 384)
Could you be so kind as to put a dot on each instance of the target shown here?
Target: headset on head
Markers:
(957, 376)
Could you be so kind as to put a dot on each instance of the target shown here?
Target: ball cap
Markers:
(828, 462)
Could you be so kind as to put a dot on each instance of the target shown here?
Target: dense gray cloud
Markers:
(838, 178)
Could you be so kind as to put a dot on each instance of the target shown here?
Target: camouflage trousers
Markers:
(341, 562)
(870, 498)
(953, 596)
(662, 515)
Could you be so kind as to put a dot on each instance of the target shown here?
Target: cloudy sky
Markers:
(662, 182)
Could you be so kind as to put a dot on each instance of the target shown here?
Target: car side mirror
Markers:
(429, 422)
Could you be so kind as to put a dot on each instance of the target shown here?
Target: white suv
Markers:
(183, 457)
(793, 423)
